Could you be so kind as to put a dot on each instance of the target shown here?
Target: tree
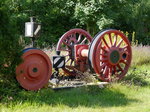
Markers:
(141, 21)
(9, 44)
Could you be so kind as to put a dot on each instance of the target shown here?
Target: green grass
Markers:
(132, 94)
(116, 97)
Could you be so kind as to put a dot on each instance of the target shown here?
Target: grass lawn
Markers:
(130, 95)
(115, 98)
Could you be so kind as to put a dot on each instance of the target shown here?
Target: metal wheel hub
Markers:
(33, 70)
(114, 57)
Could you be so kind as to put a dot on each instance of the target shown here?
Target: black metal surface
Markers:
(58, 61)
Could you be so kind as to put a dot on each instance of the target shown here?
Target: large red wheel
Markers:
(35, 71)
(110, 55)
(66, 47)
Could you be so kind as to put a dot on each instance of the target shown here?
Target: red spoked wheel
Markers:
(66, 44)
(35, 71)
(110, 55)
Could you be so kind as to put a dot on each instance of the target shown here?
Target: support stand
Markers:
(33, 42)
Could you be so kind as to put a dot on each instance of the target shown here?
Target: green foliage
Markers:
(9, 45)
(55, 17)
(58, 16)
(142, 19)
(137, 77)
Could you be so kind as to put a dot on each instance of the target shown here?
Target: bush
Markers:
(9, 44)
(137, 77)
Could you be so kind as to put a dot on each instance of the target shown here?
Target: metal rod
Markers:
(32, 19)
(33, 42)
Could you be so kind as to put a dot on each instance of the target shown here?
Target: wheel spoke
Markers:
(105, 43)
(110, 72)
(114, 69)
(119, 43)
(73, 35)
(104, 49)
(110, 39)
(71, 62)
(104, 64)
(124, 62)
(125, 48)
(103, 59)
(65, 43)
(115, 41)
(83, 41)
(79, 38)
(104, 55)
(67, 60)
(106, 72)
(120, 67)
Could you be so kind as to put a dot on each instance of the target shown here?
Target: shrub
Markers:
(9, 44)
(137, 77)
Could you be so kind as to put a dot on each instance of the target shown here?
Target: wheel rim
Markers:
(35, 71)
(66, 47)
(110, 55)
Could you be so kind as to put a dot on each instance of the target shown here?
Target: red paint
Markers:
(67, 43)
(101, 60)
(35, 70)
(81, 54)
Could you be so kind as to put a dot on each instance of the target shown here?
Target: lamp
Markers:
(32, 29)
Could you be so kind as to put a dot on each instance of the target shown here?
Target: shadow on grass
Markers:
(85, 96)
